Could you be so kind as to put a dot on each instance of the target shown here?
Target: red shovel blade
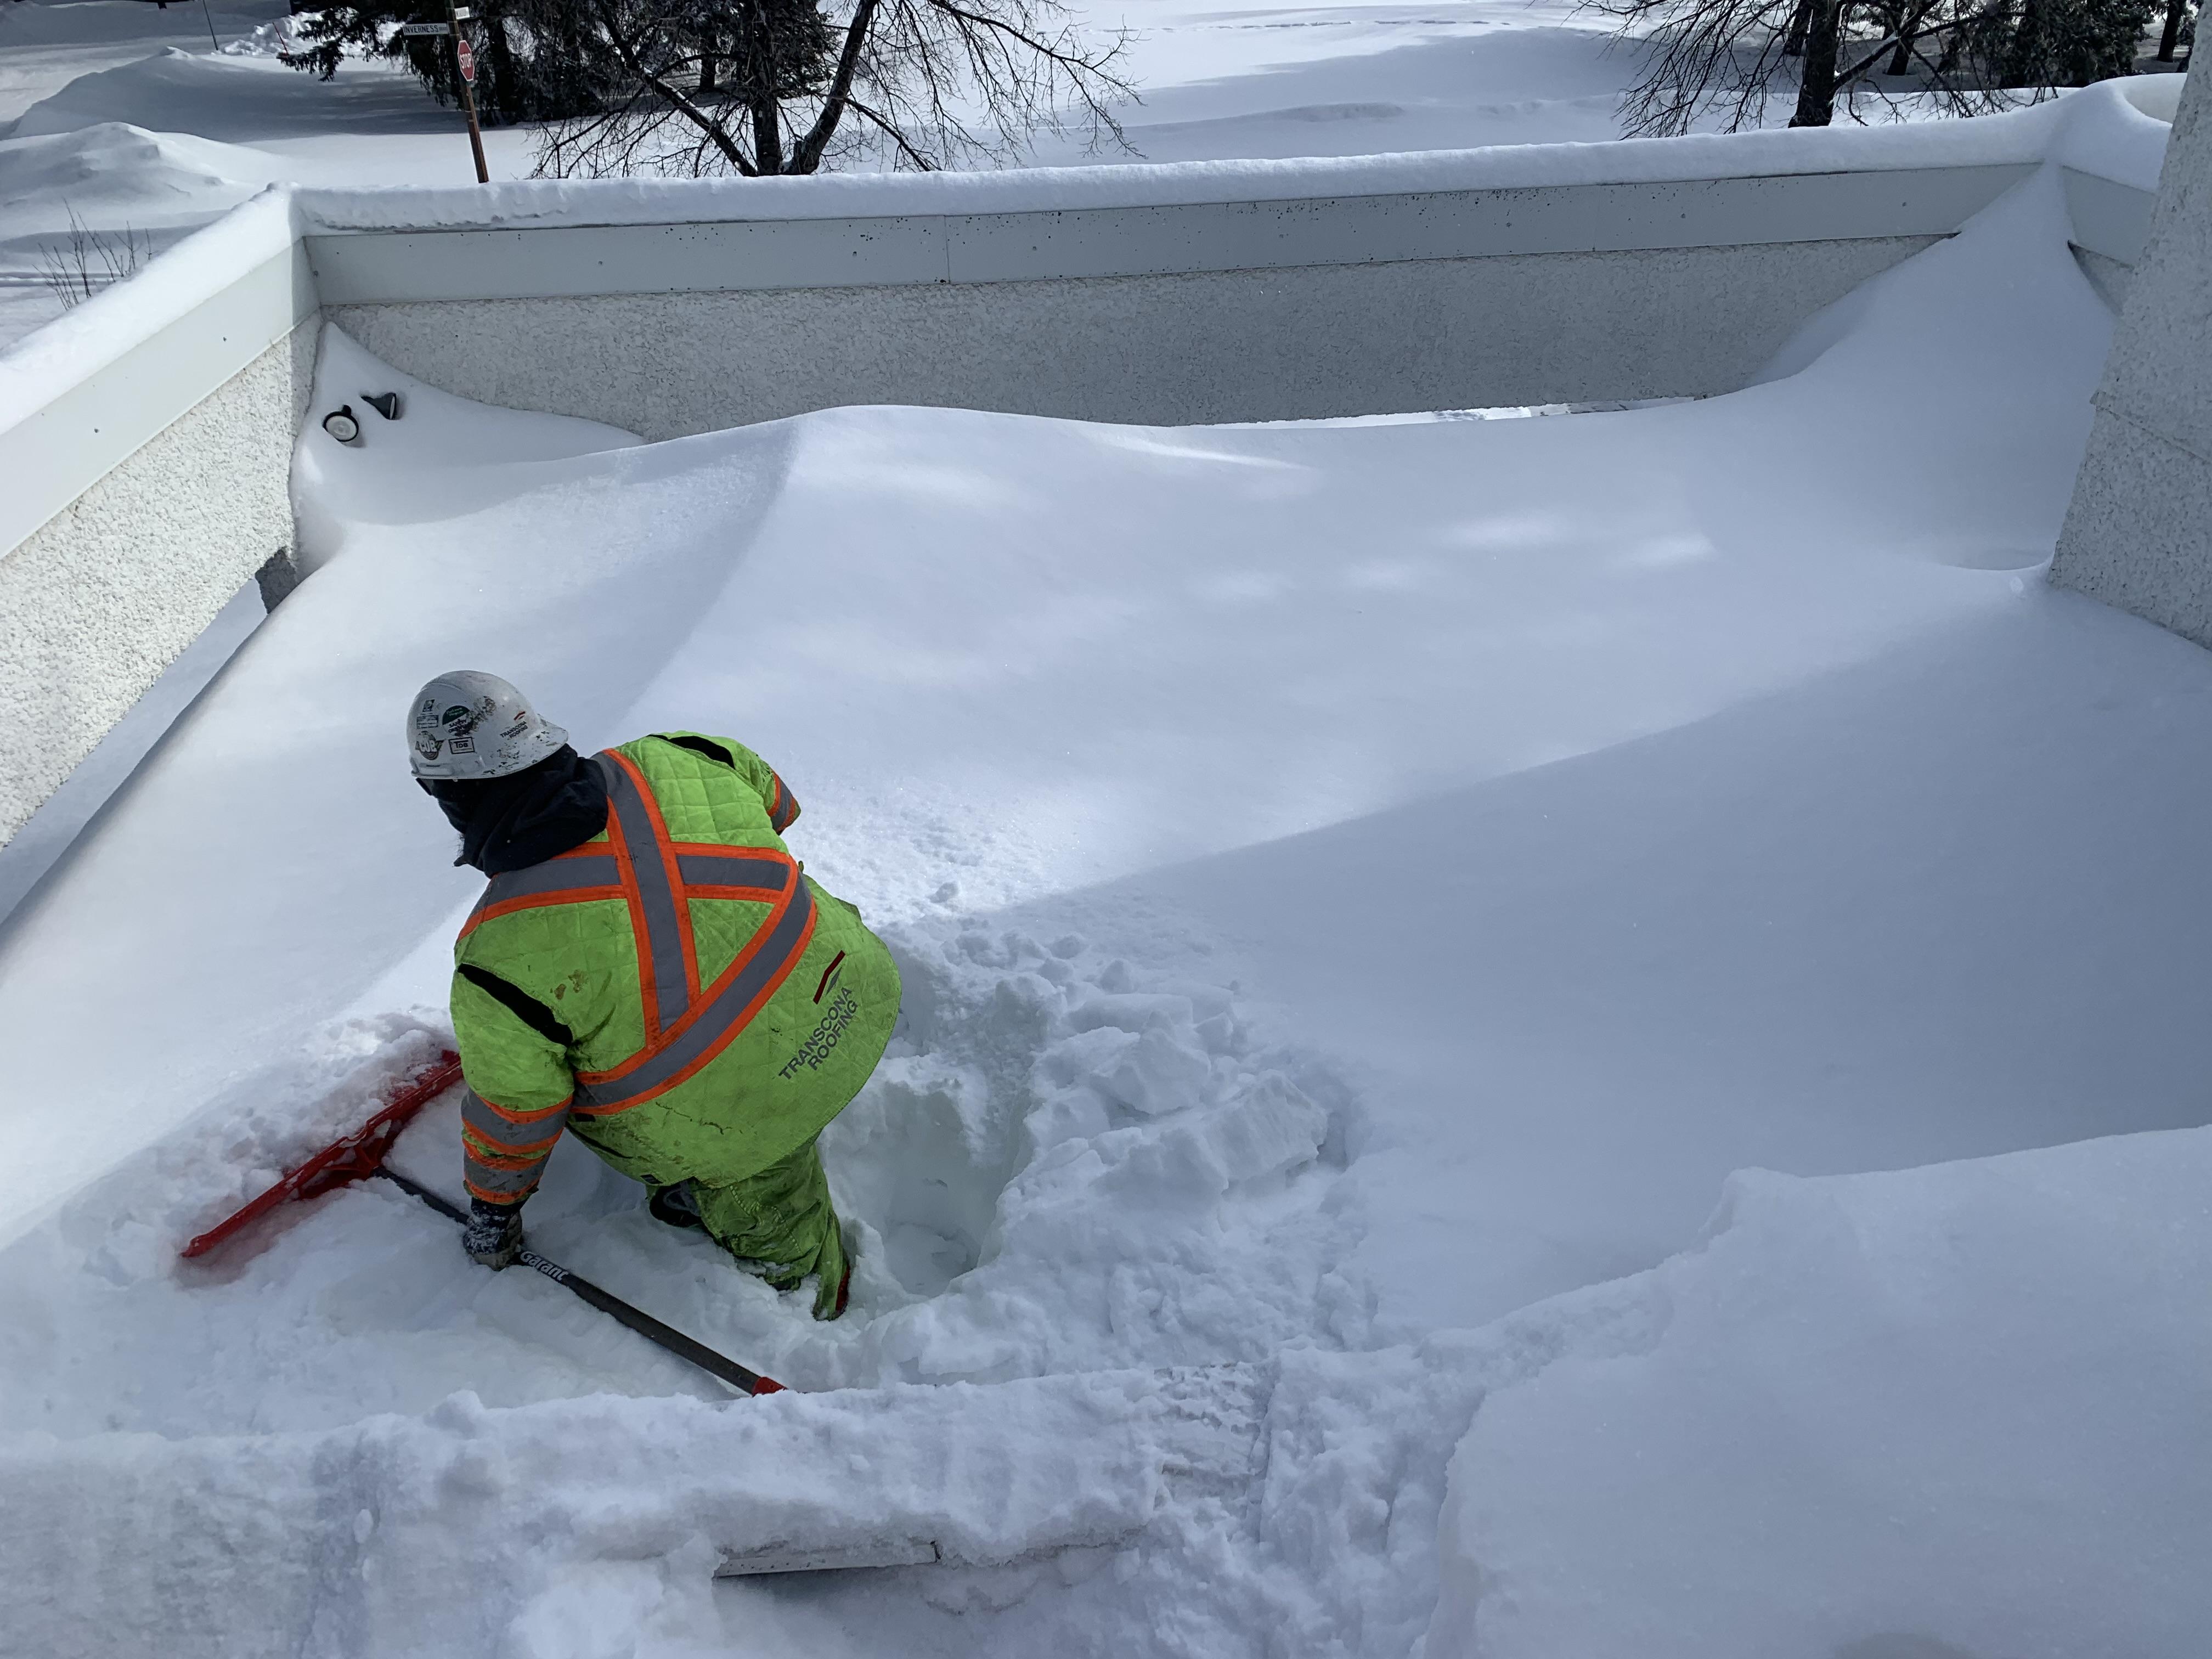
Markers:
(353, 1158)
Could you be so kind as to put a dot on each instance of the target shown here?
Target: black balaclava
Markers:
(526, 817)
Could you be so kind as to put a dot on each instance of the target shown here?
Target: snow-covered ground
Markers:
(1362, 889)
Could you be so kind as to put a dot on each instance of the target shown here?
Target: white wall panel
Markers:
(402, 266)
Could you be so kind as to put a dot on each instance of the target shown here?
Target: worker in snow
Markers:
(652, 971)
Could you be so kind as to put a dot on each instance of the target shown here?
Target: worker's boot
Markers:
(675, 1206)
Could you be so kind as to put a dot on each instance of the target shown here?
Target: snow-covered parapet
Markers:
(1192, 293)
(2115, 129)
(142, 438)
(244, 270)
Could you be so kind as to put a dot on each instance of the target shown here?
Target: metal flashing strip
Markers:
(2109, 217)
(830, 1558)
(61, 451)
(401, 267)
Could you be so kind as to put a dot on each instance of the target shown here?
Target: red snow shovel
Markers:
(361, 1155)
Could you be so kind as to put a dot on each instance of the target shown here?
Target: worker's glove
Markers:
(493, 1237)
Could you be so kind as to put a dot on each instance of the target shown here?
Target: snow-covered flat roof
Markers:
(1361, 890)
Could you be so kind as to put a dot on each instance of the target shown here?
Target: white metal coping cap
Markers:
(471, 725)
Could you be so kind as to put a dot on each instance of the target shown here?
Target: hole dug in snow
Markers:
(912, 1161)
(1060, 1167)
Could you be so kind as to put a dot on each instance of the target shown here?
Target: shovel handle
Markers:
(666, 1336)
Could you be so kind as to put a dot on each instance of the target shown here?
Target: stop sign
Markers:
(467, 59)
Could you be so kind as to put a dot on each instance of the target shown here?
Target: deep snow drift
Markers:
(1353, 882)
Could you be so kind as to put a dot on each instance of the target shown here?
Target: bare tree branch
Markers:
(766, 86)
(808, 155)
(676, 100)
(922, 163)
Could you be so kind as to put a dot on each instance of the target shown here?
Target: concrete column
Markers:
(2138, 533)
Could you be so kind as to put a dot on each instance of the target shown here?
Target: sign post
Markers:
(465, 60)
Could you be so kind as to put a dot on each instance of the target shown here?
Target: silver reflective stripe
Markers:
(731, 869)
(489, 1180)
(664, 937)
(501, 1183)
(480, 1116)
(777, 952)
(557, 875)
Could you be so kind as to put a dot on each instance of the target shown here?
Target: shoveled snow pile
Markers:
(603, 1520)
(1360, 890)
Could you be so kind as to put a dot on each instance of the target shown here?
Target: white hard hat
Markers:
(468, 724)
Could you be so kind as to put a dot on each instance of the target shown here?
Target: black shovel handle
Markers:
(643, 1323)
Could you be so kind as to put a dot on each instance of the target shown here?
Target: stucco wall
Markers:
(1230, 345)
(104, 595)
(2138, 533)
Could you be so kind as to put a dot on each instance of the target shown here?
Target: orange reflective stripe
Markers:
(575, 877)
(657, 879)
(573, 896)
(781, 809)
(499, 1161)
(511, 1163)
(510, 1114)
(497, 1120)
(494, 1147)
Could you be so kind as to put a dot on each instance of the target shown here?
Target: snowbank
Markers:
(1948, 1411)
(118, 173)
(136, 192)
(578, 1528)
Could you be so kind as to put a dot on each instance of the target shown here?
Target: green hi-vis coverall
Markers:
(680, 995)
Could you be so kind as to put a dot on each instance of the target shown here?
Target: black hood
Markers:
(526, 817)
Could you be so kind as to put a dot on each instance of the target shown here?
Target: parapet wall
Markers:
(146, 438)
(1161, 314)
(147, 480)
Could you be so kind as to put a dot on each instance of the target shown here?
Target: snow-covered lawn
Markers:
(1362, 890)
